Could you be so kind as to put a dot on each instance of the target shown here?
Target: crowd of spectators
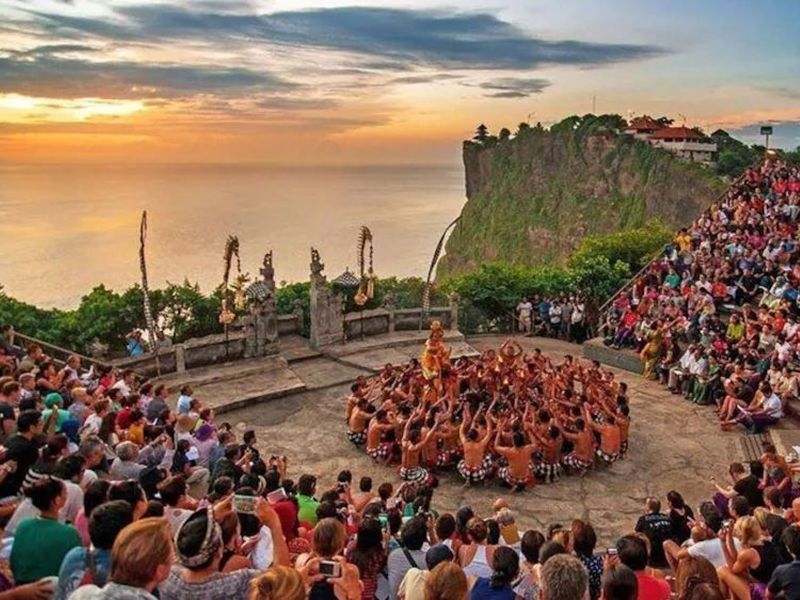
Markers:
(561, 317)
(108, 492)
(716, 317)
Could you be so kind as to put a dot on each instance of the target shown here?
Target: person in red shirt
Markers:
(632, 552)
(625, 329)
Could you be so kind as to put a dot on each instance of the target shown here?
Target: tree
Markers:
(664, 121)
(523, 127)
(504, 134)
(481, 133)
(631, 247)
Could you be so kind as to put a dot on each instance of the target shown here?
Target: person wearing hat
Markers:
(55, 402)
(413, 585)
(200, 548)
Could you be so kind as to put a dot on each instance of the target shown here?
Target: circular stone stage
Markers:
(674, 444)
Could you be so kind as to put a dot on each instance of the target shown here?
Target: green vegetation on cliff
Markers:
(534, 197)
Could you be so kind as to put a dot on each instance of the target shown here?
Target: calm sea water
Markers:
(65, 230)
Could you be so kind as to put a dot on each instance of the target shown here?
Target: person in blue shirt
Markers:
(498, 587)
(93, 565)
(134, 344)
(185, 400)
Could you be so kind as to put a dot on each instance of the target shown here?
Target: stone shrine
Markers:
(261, 322)
(327, 319)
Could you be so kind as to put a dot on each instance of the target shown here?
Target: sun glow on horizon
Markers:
(19, 108)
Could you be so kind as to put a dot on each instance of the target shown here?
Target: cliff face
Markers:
(531, 199)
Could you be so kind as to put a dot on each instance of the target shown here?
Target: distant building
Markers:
(642, 127)
(686, 143)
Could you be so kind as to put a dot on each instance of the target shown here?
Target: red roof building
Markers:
(644, 124)
(676, 134)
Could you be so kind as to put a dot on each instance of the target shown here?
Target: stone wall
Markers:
(196, 352)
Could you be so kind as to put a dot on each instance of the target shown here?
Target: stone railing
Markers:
(193, 353)
(290, 324)
(378, 321)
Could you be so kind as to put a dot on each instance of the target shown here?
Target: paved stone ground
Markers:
(674, 445)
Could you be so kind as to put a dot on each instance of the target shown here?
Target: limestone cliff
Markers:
(532, 198)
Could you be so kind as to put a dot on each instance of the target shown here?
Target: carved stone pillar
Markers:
(326, 308)
(454, 299)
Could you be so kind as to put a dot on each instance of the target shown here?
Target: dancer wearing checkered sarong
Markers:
(377, 448)
(357, 424)
(548, 467)
(476, 465)
(411, 452)
(517, 474)
(581, 459)
(610, 441)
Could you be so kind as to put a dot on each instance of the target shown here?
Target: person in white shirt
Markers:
(680, 372)
(755, 419)
(524, 310)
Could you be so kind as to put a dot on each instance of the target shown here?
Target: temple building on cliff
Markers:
(683, 142)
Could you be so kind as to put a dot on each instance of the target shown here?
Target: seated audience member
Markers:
(414, 583)
(619, 583)
(632, 552)
(328, 543)
(691, 573)
(414, 535)
(563, 577)
(82, 566)
(749, 568)
(446, 582)
(28, 560)
(141, 559)
(505, 568)
(785, 581)
(658, 528)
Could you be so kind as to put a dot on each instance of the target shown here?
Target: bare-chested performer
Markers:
(377, 447)
(581, 458)
(476, 464)
(518, 472)
(359, 418)
(608, 451)
(413, 443)
(549, 467)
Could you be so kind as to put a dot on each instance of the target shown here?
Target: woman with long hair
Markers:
(278, 583)
(749, 568)
(328, 543)
(691, 572)
(446, 582)
(368, 555)
(505, 565)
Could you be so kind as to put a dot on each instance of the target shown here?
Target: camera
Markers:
(330, 568)
(244, 504)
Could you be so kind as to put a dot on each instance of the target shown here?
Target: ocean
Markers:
(67, 229)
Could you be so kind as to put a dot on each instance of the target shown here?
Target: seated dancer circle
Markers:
(507, 414)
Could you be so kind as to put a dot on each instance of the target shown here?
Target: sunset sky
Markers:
(381, 81)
